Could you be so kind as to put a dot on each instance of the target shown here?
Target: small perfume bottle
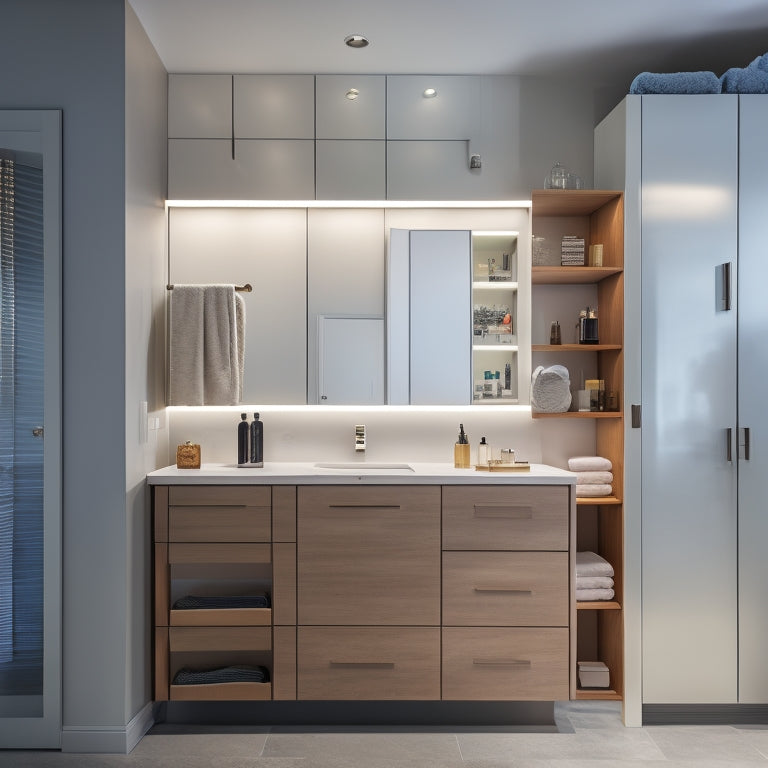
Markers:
(554, 333)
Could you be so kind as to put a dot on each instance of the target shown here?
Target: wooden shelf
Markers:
(598, 605)
(221, 617)
(597, 694)
(574, 347)
(566, 202)
(578, 415)
(571, 275)
(590, 501)
(222, 692)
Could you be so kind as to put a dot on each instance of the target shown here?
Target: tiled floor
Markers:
(589, 734)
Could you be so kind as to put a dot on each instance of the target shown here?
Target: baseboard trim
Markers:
(108, 739)
(705, 714)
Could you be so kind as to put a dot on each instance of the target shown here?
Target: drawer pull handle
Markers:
(502, 662)
(510, 513)
(512, 590)
(352, 505)
(364, 664)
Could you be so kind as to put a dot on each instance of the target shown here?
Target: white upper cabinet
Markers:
(274, 106)
(351, 107)
(451, 113)
(199, 106)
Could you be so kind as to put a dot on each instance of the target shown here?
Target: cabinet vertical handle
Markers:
(728, 444)
(723, 286)
(747, 441)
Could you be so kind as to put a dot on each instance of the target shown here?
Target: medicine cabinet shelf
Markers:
(571, 275)
(574, 347)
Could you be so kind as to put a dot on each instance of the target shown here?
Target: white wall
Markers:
(146, 98)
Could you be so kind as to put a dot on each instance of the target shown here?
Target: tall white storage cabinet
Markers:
(695, 170)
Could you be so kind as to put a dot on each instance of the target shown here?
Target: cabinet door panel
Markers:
(338, 117)
(689, 205)
(452, 114)
(369, 555)
(351, 170)
(204, 169)
(509, 664)
(274, 106)
(753, 363)
(431, 170)
(380, 663)
(200, 106)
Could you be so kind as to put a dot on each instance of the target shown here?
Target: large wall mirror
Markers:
(316, 325)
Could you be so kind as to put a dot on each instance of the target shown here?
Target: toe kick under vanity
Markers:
(426, 584)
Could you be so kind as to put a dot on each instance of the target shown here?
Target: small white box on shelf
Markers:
(594, 674)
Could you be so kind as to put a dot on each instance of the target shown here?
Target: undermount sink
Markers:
(365, 466)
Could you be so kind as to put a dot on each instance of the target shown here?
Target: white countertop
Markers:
(309, 473)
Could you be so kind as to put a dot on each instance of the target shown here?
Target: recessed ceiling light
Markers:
(352, 94)
(356, 41)
(430, 93)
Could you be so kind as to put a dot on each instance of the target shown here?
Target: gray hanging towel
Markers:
(207, 330)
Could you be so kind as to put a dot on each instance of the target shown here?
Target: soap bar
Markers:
(188, 456)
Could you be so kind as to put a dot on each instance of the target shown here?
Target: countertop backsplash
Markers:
(392, 433)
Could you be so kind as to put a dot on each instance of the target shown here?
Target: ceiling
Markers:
(603, 40)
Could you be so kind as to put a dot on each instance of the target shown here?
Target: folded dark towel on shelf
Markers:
(232, 674)
(191, 602)
(675, 82)
(750, 79)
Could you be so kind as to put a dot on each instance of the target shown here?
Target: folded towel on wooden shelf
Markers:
(594, 490)
(194, 602)
(675, 82)
(593, 478)
(591, 564)
(594, 582)
(589, 464)
(587, 595)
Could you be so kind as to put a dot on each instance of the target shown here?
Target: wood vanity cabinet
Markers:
(390, 592)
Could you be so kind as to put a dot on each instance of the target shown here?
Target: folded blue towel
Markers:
(675, 82)
(749, 79)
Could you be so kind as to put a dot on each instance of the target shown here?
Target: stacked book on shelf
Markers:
(572, 251)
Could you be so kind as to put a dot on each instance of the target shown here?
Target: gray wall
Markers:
(72, 56)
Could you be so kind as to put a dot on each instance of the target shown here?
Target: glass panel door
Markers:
(30, 460)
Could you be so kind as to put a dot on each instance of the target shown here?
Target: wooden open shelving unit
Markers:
(599, 215)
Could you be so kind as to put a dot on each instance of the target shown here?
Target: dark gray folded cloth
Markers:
(675, 82)
(233, 674)
(190, 602)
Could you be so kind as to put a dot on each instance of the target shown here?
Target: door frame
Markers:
(40, 131)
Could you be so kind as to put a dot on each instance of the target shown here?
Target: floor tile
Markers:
(692, 742)
(426, 749)
(212, 745)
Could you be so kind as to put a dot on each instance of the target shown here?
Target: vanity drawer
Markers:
(219, 523)
(220, 495)
(515, 664)
(514, 589)
(381, 663)
(509, 517)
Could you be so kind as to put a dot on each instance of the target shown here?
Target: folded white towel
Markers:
(589, 464)
(594, 594)
(591, 564)
(594, 489)
(594, 582)
(593, 478)
(551, 389)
